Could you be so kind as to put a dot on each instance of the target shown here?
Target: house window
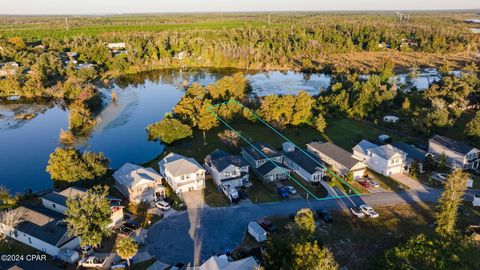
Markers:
(54, 206)
(29, 240)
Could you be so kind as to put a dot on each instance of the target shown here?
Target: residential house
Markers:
(42, 229)
(57, 201)
(137, 183)
(226, 168)
(414, 154)
(385, 159)
(340, 159)
(266, 162)
(182, 174)
(458, 154)
(303, 163)
(223, 263)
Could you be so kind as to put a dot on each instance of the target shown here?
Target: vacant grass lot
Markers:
(357, 242)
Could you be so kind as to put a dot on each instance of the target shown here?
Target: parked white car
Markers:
(357, 212)
(440, 176)
(165, 206)
(291, 189)
(92, 262)
(367, 210)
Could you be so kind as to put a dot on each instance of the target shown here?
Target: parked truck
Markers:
(231, 192)
(257, 232)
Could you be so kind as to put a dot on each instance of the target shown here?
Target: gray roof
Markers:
(336, 153)
(43, 224)
(386, 151)
(265, 148)
(130, 175)
(269, 166)
(363, 146)
(305, 160)
(61, 197)
(178, 165)
(413, 152)
(221, 160)
(456, 146)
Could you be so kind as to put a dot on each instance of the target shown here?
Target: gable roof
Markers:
(269, 166)
(61, 197)
(413, 152)
(222, 263)
(178, 165)
(305, 160)
(265, 148)
(131, 175)
(453, 145)
(386, 151)
(336, 153)
(221, 160)
(43, 224)
(363, 146)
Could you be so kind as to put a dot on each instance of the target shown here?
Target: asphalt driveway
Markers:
(197, 234)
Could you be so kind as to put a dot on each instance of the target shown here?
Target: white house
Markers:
(42, 229)
(390, 119)
(182, 174)
(266, 162)
(458, 154)
(138, 183)
(385, 159)
(223, 263)
(227, 169)
(57, 201)
(304, 164)
(341, 161)
(117, 45)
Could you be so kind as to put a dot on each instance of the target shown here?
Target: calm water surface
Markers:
(25, 145)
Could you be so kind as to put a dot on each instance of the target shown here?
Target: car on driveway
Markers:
(367, 210)
(124, 230)
(92, 262)
(291, 190)
(440, 176)
(357, 212)
(283, 192)
(324, 215)
(374, 183)
(267, 225)
(134, 225)
(165, 206)
(364, 183)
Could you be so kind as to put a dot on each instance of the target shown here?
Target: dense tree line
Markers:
(290, 42)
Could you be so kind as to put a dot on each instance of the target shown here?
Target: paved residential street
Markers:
(196, 234)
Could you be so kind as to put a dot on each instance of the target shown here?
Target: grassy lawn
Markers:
(357, 242)
(318, 191)
(15, 247)
(386, 182)
(261, 192)
(214, 197)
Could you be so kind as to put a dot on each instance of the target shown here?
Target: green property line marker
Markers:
(210, 109)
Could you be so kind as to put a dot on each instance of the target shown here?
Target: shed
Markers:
(390, 119)
(384, 138)
(257, 232)
(476, 199)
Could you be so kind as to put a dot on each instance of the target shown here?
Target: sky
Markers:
(11, 7)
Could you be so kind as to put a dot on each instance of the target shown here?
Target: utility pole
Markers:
(66, 23)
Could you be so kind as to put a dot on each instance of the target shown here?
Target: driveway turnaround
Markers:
(198, 233)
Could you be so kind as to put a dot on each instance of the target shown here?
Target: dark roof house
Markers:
(413, 153)
(261, 151)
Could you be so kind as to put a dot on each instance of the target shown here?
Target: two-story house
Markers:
(458, 154)
(385, 159)
(226, 168)
(181, 173)
(414, 154)
(137, 183)
(57, 201)
(339, 159)
(266, 162)
(308, 166)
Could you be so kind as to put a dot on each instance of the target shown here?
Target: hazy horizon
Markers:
(112, 7)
